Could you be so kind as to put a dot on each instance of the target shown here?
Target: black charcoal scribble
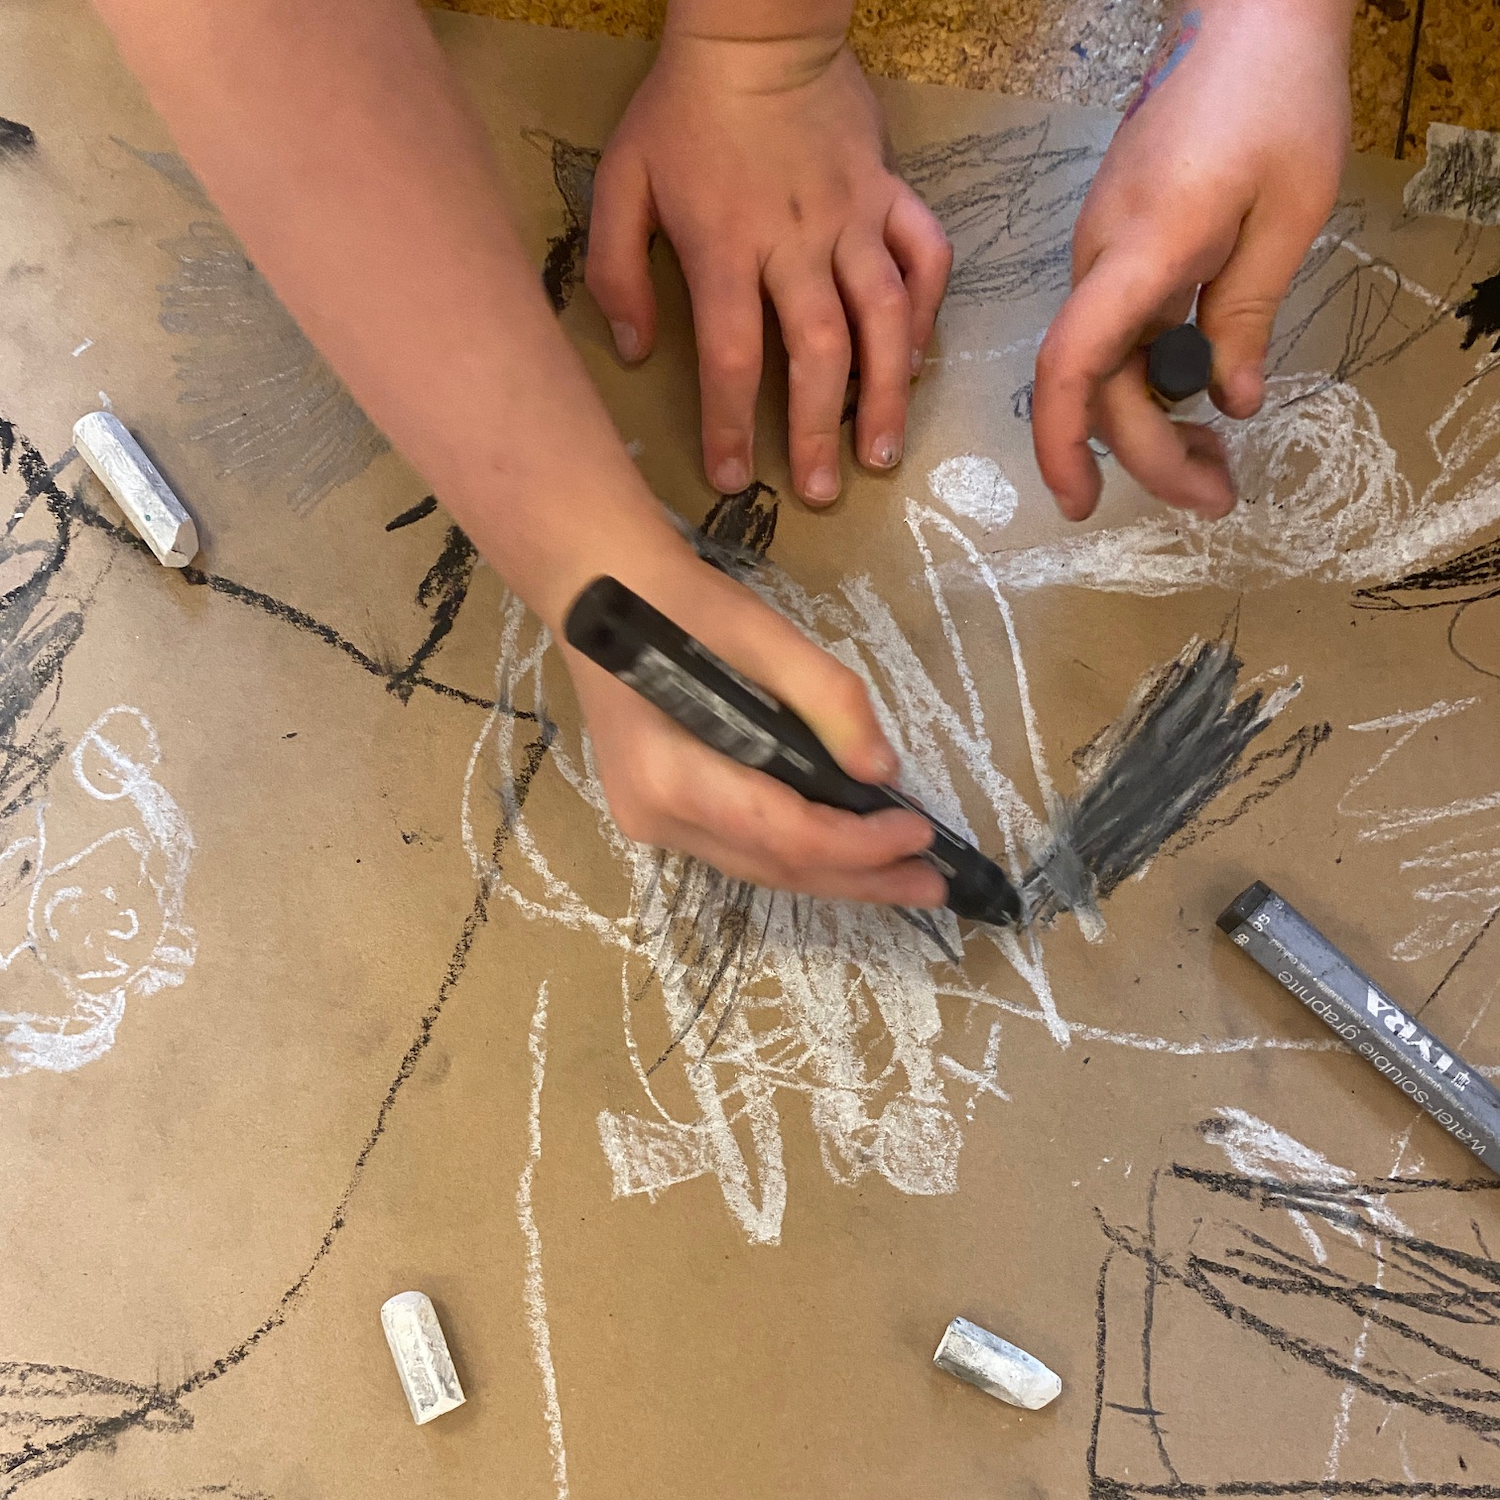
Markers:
(1147, 775)
(40, 623)
(573, 170)
(1381, 312)
(1471, 578)
(266, 406)
(739, 529)
(1310, 1283)
(52, 1414)
(1460, 178)
(16, 139)
(1008, 199)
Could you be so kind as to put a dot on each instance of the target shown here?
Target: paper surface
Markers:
(323, 972)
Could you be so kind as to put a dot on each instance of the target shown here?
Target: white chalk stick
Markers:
(145, 497)
(421, 1354)
(978, 1356)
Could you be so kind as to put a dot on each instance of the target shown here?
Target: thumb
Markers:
(1236, 310)
(618, 273)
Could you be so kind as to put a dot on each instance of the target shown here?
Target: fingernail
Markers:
(885, 451)
(627, 341)
(885, 764)
(917, 361)
(822, 484)
(731, 476)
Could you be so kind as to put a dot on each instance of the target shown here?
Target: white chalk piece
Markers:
(145, 497)
(978, 1356)
(421, 1354)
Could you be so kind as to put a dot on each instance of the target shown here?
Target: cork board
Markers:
(323, 973)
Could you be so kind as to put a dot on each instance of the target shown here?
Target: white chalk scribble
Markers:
(736, 1000)
(102, 915)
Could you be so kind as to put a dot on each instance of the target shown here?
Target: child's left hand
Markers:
(766, 163)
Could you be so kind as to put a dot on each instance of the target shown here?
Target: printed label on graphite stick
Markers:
(1286, 945)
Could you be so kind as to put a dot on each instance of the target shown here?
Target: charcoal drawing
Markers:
(1361, 1305)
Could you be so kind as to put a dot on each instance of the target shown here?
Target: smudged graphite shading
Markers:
(1146, 776)
(269, 409)
(573, 175)
(16, 139)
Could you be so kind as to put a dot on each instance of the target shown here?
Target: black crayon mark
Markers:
(443, 591)
(1470, 578)
(1481, 313)
(51, 1414)
(744, 523)
(1459, 962)
(16, 139)
(573, 175)
(1020, 402)
(1296, 749)
(1466, 579)
(1147, 775)
(400, 680)
(1366, 300)
(1416, 1288)
(418, 512)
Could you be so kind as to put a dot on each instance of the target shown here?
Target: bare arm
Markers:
(337, 142)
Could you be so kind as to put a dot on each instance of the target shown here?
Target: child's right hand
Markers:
(669, 789)
(1220, 177)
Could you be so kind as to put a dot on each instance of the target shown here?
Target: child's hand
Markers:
(1221, 175)
(667, 788)
(765, 162)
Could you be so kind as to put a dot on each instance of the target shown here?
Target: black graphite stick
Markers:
(615, 627)
(1431, 1074)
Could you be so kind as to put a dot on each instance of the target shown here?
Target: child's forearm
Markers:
(335, 139)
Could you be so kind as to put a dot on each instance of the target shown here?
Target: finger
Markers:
(1237, 308)
(815, 330)
(1179, 462)
(773, 652)
(729, 324)
(875, 297)
(618, 271)
(1093, 335)
(921, 248)
(775, 838)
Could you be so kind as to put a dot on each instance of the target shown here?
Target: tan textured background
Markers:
(1414, 60)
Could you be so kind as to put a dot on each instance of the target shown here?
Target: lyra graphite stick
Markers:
(1286, 944)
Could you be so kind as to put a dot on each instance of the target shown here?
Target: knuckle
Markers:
(824, 338)
(733, 361)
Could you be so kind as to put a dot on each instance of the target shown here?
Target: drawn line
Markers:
(534, 1293)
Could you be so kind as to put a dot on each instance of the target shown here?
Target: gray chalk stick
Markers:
(1284, 943)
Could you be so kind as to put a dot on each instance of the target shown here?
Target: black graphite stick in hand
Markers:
(617, 629)
(1179, 363)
